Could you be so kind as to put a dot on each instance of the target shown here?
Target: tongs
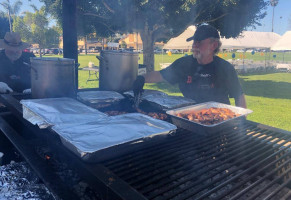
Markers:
(137, 99)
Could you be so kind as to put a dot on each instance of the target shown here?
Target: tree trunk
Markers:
(9, 18)
(148, 49)
(85, 43)
(40, 54)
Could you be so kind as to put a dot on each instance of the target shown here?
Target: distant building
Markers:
(91, 44)
(134, 41)
(34, 46)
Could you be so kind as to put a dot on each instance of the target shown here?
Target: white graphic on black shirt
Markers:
(14, 77)
(205, 82)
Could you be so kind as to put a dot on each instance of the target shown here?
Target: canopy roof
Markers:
(251, 39)
(180, 41)
(248, 39)
(284, 43)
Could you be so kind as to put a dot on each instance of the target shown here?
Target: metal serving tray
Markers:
(99, 96)
(207, 129)
(53, 111)
(161, 100)
(113, 136)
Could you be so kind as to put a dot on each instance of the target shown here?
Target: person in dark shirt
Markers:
(202, 76)
(14, 71)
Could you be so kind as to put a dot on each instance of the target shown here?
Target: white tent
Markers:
(180, 42)
(284, 43)
(248, 39)
(251, 39)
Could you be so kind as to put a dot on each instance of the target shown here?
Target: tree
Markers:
(33, 28)
(12, 10)
(163, 19)
(4, 24)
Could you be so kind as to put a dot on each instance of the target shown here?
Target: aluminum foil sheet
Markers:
(147, 93)
(170, 102)
(163, 100)
(99, 96)
(17, 181)
(90, 137)
(52, 111)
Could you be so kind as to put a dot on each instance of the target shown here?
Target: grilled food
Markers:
(155, 115)
(114, 113)
(209, 116)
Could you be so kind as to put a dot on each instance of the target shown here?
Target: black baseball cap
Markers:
(203, 32)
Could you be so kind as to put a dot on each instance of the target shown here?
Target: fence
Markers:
(250, 66)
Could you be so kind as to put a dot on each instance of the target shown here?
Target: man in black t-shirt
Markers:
(202, 77)
(14, 73)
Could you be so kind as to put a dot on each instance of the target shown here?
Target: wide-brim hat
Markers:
(203, 32)
(13, 40)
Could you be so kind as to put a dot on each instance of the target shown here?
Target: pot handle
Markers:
(101, 58)
(35, 71)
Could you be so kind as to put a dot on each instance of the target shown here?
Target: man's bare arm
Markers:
(153, 77)
(241, 101)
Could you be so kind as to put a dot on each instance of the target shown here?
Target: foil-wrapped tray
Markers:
(111, 137)
(169, 102)
(146, 93)
(53, 111)
(207, 129)
(99, 96)
(163, 101)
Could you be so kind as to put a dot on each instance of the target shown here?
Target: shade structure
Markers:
(180, 42)
(251, 39)
(247, 39)
(284, 43)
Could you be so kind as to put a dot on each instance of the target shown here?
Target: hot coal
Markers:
(67, 174)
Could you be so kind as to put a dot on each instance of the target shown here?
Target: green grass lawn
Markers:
(268, 95)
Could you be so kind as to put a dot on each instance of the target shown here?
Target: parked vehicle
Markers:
(34, 50)
(173, 51)
(55, 51)
(158, 51)
(27, 50)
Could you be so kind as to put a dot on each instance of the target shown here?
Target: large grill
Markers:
(250, 161)
(246, 162)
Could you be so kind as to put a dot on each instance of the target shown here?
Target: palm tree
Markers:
(11, 9)
(273, 4)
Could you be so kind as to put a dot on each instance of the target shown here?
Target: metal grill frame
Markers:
(259, 142)
(137, 175)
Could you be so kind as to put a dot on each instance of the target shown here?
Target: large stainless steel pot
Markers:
(52, 77)
(118, 70)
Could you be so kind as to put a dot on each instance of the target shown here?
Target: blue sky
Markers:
(26, 5)
(281, 18)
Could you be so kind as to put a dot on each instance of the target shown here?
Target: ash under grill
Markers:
(242, 163)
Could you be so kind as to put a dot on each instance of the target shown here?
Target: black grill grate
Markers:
(238, 163)
(251, 161)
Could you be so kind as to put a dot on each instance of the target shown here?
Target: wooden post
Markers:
(70, 41)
